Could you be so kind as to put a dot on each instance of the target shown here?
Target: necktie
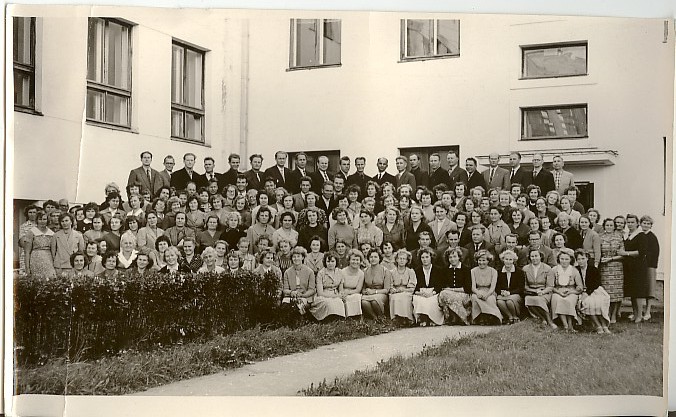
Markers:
(326, 177)
(258, 177)
(491, 177)
(149, 181)
(557, 177)
(513, 172)
(476, 248)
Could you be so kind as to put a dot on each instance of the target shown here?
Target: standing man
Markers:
(421, 176)
(145, 175)
(383, 176)
(279, 172)
(254, 176)
(562, 179)
(338, 185)
(321, 174)
(474, 178)
(209, 174)
(182, 177)
(518, 174)
(299, 202)
(166, 172)
(230, 177)
(455, 173)
(327, 202)
(541, 177)
(344, 168)
(437, 174)
(403, 176)
(298, 172)
(495, 176)
(359, 178)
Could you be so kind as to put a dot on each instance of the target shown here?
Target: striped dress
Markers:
(612, 273)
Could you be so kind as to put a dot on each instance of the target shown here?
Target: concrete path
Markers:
(287, 375)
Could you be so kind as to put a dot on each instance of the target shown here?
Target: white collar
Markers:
(38, 232)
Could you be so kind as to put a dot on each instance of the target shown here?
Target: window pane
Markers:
(177, 74)
(419, 34)
(177, 123)
(193, 79)
(117, 109)
(555, 61)
(23, 88)
(307, 42)
(193, 126)
(94, 105)
(118, 55)
(448, 37)
(548, 122)
(95, 50)
(332, 41)
(22, 40)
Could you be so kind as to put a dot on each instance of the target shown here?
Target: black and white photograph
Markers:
(268, 205)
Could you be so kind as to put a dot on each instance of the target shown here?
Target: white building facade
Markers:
(599, 92)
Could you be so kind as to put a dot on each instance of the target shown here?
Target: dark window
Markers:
(187, 93)
(554, 122)
(424, 155)
(554, 60)
(334, 160)
(24, 63)
(429, 38)
(315, 43)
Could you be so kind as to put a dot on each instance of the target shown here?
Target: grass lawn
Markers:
(137, 371)
(522, 359)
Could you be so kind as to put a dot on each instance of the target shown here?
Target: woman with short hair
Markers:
(195, 218)
(591, 241)
(538, 292)
(210, 235)
(65, 242)
(128, 252)
(147, 235)
(353, 282)
(454, 298)
(299, 282)
(377, 283)
(286, 230)
(172, 258)
(267, 265)
(329, 299)
(404, 282)
(652, 254)
(594, 300)
(610, 266)
(38, 241)
(262, 226)
(510, 287)
(484, 282)
(430, 280)
(637, 286)
(209, 259)
(566, 286)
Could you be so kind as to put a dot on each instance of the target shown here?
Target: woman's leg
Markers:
(595, 319)
(377, 309)
(511, 306)
(614, 309)
(638, 313)
(502, 305)
(366, 310)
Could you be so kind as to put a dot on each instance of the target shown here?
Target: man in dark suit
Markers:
(183, 176)
(230, 177)
(145, 175)
(496, 176)
(421, 176)
(210, 174)
(541, 177)
(299, 202)
(254, 176)
(478, 243)
(453, 240)
(518, 174)
(166, 172)
(474, 178)
(437, 174)
(321, 174)
(279, 172)
(403, 176)
(327, 201)
(383, 176)
(455, 173)
(359, 178)
(298, 172)
(344, 168)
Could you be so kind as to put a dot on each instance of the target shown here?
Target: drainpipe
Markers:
(244, 94)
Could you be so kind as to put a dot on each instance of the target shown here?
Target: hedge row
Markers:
(90, 317)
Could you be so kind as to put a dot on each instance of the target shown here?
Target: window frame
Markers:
(523, 111)
(107, 88)
(293, 66)
(403, 42)
(31, 70)
(185, 109)
(525, 48)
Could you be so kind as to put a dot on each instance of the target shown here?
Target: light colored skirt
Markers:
(381, 299)
(516, 299)
(428, 306)
(458, 303)
(541, 301)
(488, 306)
(565, 305)
(353, 305)
(401, 304)
(323, 307)
(596, 304)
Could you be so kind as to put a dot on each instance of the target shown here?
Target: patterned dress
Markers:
(612, 273)
(23, 231)
(41, 261)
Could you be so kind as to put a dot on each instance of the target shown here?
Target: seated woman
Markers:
(510, 287)
(329, 300)
(172, 256)
(538, 294)
(403, 284)
(284, 255)
(78, 261)
(377, 283)
(430, 280)
(567, 286)
(128, 252)
(353, 281)
(594, 301)
(454, 297)
(299, 282)
(267, 265)
(209, 259)
(484, 281)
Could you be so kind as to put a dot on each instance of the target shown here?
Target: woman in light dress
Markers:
(353, 282)
(454, 299)
(484, 281)
(329, 301)
(403, 284)
(567, 286)
(430, 281)
(538, 293)
(377, 283)
(389, 261)
(594, 300)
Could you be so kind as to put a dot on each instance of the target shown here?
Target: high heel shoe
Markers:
(638, 320)
(647, 317)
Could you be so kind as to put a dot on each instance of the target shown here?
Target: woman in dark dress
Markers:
(636, 283)
(652, 255)
(510, 287)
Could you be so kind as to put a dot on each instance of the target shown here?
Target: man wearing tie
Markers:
(168, 169)
(495, 176)
(477, 244)
(327, 202)
(254, 176)
(403, 176)
(298, 173)
(562, 179)
(359, 178)
(210, 174)
(437, 174)
(421, 176)
(182, 177)
(474, 179)
(344, 168)
(518, 174)
(145, 175)
(455, 173)
(541, 177)
(383, 176)
(299, 202)
(279, 172)
(321, 174)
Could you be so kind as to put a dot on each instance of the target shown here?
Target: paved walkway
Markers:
(287, 375)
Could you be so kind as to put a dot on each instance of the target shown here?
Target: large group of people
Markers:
(453, 246)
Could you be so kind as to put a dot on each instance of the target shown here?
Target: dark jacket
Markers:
(437, 279)
(516, 285)
(592, 280)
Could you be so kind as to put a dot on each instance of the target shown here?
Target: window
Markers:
(187, 93)
(314, 43)
(554, 122)
(24, 63)
(554, 60)
(334, 160)
(424, 155)
(432, 38)
(109, 72)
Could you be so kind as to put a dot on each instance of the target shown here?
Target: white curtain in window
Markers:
(193, 79)
(95, 50)
(177, 74)
(118, 55)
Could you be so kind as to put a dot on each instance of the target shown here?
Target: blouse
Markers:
(300, 279)
(342, 232)
(314, 261)
(405, 280)
(377, 277)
